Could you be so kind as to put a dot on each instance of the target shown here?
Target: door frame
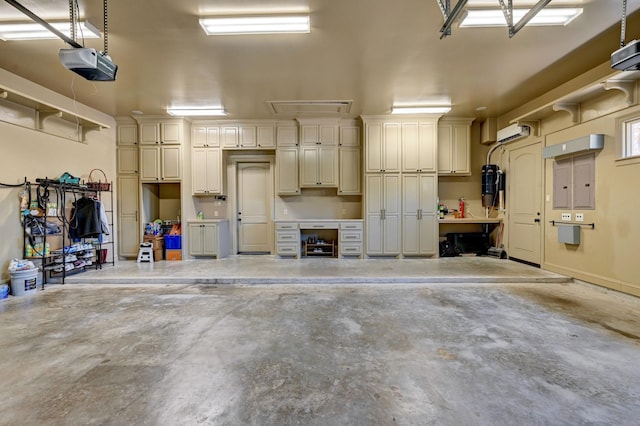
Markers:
(541, 200)
(232, 185)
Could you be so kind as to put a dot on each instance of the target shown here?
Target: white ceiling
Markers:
(372, 52)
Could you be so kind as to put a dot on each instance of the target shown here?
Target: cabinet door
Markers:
(328, 134)
(445, 149)
(127, 134)
(149, 163)
(410, 214)
(127, 160)
(210, 239)
(287, 171)
(562, 183)
(171, 133)
(349, 136)
(391, 148)
(247, 136)
(392, 211)
(410, 148)
(149, 133)
(286, 136)
(206, 169)
(128, 226)
(309, 167)
(428, 221)
(230, 137)
(266, 136)
(328, 166)
(349, 179)
(373, 218)
(196, 239)
(373, 147)
(461, 139)
(171, 163)
(309, 135)
(203, 136)
(428, 146)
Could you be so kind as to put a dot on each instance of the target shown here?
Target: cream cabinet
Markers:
(287, 171)
(382, 210)
(286, 136)
(229, 136)
(349, 136)
(160, 163)
(205, 136)
(454, 145)
(206, 171)
(349, 173)
(287, 239)
(209, 238)
(266, 136)
(128, 225)
(152, 133)
(419, 222)
(419, 146)
(382, 147)
(319, 133)
(127, 160)
(318, 166)
(127, 134)
(350, 239)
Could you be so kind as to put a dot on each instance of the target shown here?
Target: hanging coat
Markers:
(85, 219)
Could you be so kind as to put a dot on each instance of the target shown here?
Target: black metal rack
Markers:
(64, 190)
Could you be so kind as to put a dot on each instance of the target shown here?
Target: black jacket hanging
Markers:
(85, 219)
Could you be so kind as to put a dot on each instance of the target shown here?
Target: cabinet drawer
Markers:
(287, 225)
(287, 249)
(350, 236)
(287, 237)
(351, 249)
(319, 225)
(351, 225)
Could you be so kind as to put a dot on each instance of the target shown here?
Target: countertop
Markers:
(208, 221)
(317, 220)
(471, 220)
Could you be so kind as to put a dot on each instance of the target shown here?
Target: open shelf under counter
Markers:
(472, 220)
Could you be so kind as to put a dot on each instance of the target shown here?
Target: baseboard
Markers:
(594, 279)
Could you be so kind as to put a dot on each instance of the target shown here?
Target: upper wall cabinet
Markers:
(419, 146)
(349, 136)
(382, 149)
(169, 133)
(454, 146)
(127, 134)
(319, 132)
(205, 136)
(286, 136)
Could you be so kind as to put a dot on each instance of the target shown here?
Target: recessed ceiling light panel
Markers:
(196, 111)
(35, 31)
(495, 17)
(420, 109)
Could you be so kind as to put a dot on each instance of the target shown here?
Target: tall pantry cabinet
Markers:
(401, 185)
(128, 188)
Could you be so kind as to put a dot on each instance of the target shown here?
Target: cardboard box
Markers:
(156, 240)
(174, 254)
(158, 255)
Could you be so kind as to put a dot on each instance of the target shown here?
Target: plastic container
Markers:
(173, 242)
(174, 254)
(24, 282)
(4, 291)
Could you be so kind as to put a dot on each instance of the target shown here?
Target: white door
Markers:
(525, 203)
(254, 193)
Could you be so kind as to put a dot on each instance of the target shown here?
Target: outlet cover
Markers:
(579, 217)
(566, 216)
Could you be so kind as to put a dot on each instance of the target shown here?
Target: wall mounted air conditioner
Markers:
(512, 133)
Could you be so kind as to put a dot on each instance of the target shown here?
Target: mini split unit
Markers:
(512, 133)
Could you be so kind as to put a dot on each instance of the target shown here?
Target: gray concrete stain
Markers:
(320, 355)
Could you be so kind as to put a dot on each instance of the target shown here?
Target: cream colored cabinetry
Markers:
(286, 136)
(454, 144)
(350, 239)
(349, 136)
(382, 153)
(128, 225)
(287, 171)
(229, 136)
(287, 239)
(419, 146)
(209, 238)
(206, 171)
(382, 210)
(419, 223)
(349, 177)
(127, 160)
(266, 136)
(205, 136)
(318, 166)
(318, 133)
(152, 133)
(127, 134)
(160, 163)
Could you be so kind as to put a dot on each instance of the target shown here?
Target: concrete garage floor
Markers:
(326, 354)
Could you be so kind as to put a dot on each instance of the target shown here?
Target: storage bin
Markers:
(174, 254)
(24, 282)
(172, 242)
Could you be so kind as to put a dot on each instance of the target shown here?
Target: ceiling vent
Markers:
(297, 108)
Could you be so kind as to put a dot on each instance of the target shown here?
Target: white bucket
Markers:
(24, 282)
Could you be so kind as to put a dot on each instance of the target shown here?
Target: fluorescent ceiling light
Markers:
(495, 17)
(265, 24)
(196, 111)
(420, 110)
(35, 31)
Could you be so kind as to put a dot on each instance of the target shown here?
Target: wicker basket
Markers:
(97, 184)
